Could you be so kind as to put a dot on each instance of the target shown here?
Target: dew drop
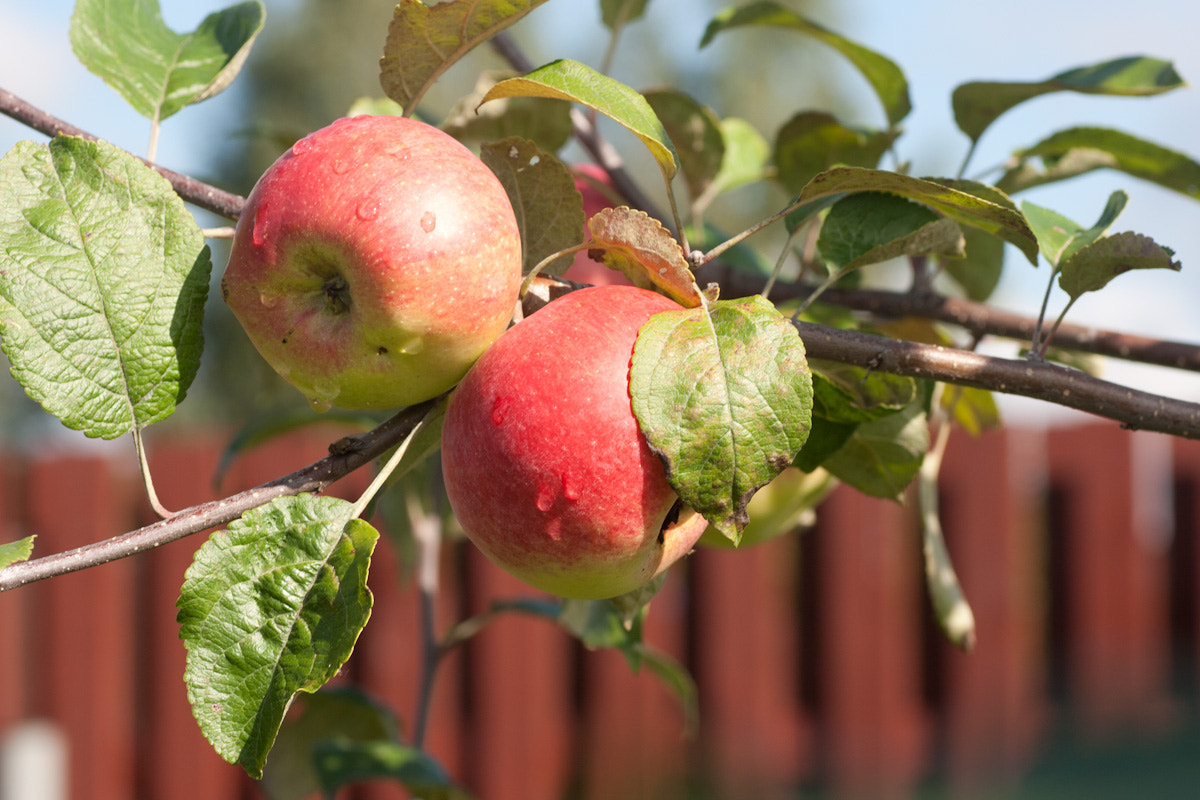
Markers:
(260, 226)
(268, 300)
(545, 497)
(413, 346)
(428, 221)
(302, 146)
(570, 488)
(367, 210)
(499, 410)
(320, 405)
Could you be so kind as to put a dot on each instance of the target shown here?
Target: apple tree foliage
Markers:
(104, 276)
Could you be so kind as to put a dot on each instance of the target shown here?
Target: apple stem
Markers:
(547, 261)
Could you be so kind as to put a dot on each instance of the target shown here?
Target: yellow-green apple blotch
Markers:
(374, 262)
(544, 463)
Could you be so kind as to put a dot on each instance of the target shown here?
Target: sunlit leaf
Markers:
(103, 280)
(423, 41)
(1059, 237)
(157, 70)
(14, 552)
(578, 83)
(887, 79)
(542, 191)
(724, 395)
(978, 104)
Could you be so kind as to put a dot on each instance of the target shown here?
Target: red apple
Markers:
(374, 262)
(583, 269)
(544, 464)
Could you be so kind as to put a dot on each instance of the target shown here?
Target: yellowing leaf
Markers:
(424, 41)
(638, 245)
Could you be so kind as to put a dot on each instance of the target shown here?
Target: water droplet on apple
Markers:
(499, 409)
(367, 210)
(260, 226)
(412, 346)
(342, 165)
(302, 146)
(268, 300)
(428, 221)
(545, 497)
(320, 405)
(570, 488)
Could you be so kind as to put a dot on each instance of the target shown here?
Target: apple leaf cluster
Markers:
(104, 278)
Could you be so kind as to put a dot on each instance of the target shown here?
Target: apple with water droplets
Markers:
(374, 262)
(544, 464)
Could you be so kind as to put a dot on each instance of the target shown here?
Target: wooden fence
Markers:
(815, 656)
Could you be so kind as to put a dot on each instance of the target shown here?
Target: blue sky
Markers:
(938, 43)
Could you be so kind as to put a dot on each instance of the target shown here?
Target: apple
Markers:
(583, 269)
(374, 262)
(544, 464)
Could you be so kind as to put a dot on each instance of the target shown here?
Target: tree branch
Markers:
(346, 455)
(194, 191)
(978, 319)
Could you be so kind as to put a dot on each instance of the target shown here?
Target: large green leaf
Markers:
(885, 77)
(724, 395)
(157, 70)
(424, 41)
(542, 191)
(696, 133)
(270, 607)
(103, 279)
(965, 203)
(978, 104)
(1076, 151)
(882, 456)
(871, 227)
(1092, 266)
(578, 83)
(813, 141)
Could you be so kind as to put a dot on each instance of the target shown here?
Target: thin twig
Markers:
(197, 192)
(346, 455)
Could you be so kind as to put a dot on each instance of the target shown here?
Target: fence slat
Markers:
(83, 640)
(992, 699)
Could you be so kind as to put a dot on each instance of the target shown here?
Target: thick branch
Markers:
(978, 319)
(194, 191)
(1042, 381)
(346, 455)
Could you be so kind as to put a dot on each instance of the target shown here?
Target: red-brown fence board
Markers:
(813, 655)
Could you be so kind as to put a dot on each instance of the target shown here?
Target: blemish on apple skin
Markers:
(499, 409)
(260, 226)
(428, 221)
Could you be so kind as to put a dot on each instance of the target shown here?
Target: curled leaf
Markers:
(638, 245)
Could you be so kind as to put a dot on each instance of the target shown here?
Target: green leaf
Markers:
(546, 122)
(745, 158)
(725, 397)
(1059, 237)
(696, 133)
(344, 714)
(379, 106)
(871, 227)
(577, 83)
(978, 271)
(542, 192)
(157, 70)
(965, 203)
(1092, 266)
(978, 104)
(847, 393)
(615, 13)
(813, 141)
(103, 280)
(883, 456)
(885, 77)
(271, 607)
(425, 41)
(340, 762)
(14, 552)
(1076, 151)
(974, 409)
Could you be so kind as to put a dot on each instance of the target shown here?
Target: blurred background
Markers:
(316, 57)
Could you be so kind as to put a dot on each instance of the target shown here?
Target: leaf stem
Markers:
(386, 472)
(139, 445)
